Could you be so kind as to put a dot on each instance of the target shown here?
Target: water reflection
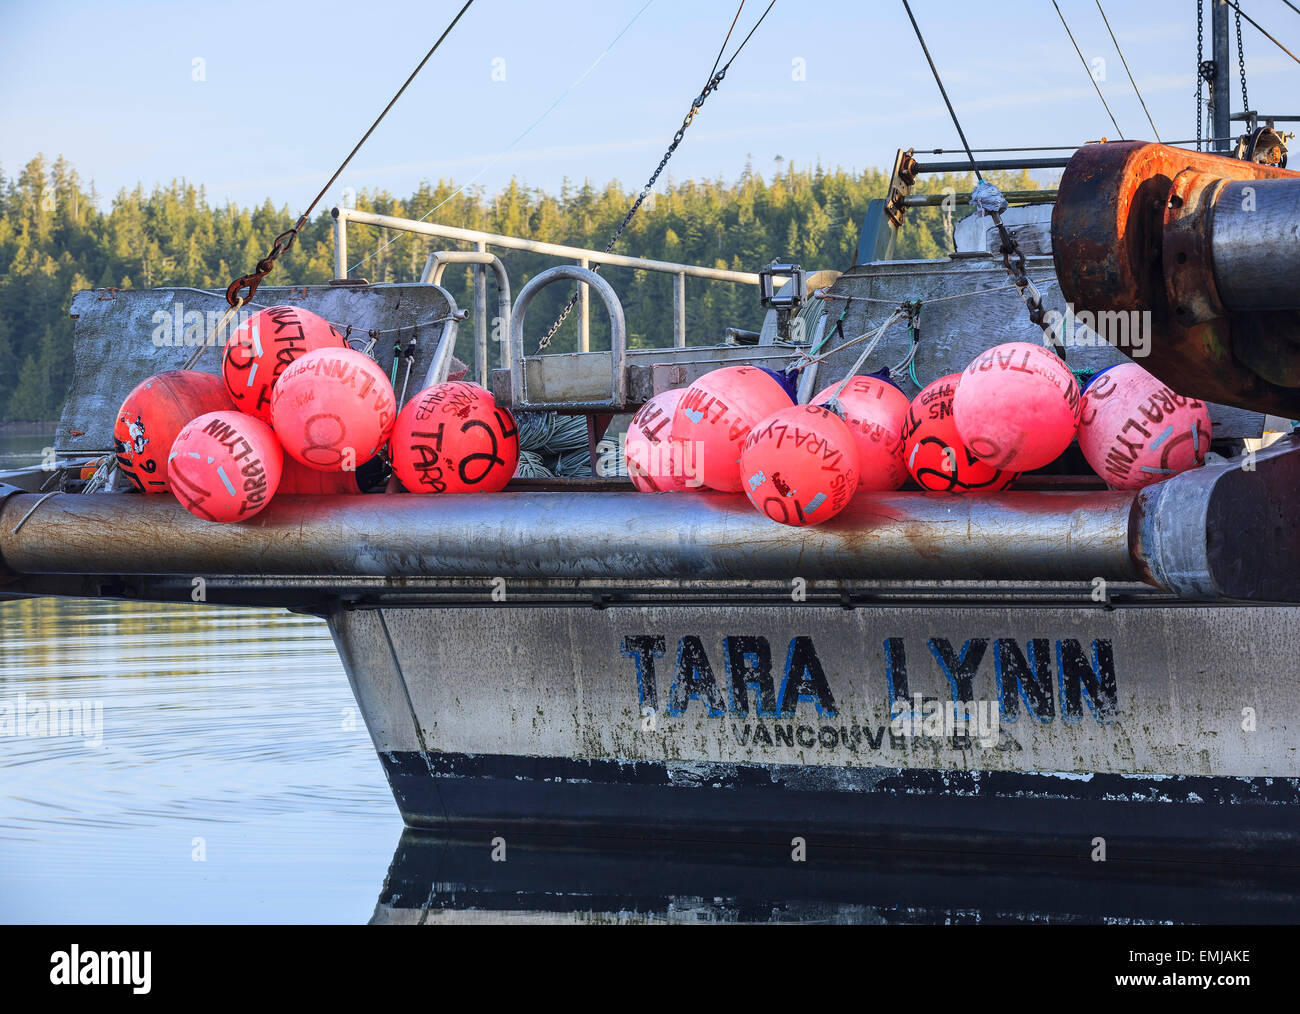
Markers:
(437, 878)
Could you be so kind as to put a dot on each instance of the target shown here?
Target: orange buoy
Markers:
(298, 478)
(800, 465)
(654, 463)
(152, 416)
(1017, 406)
(225, 466)
(332, 409)
(454, 438)
(714, 417)
(875, 411)
(262, 348)
(1136, 431)
(934, 452)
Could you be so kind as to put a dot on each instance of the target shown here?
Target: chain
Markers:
(1241, 62)
(1200, 69)
(715, 79)
(636, 205)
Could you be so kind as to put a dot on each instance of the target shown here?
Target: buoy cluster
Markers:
(296, 410)
(1016, 408)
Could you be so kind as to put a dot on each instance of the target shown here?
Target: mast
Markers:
(1221, 97)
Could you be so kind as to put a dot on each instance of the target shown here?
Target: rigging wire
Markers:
(285, 240)
(1262, 30)
(511, 146)
(1129, 72)
(1292, 6)
(1088, 71)
(715, 80)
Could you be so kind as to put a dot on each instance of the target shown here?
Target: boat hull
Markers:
(1159, 733)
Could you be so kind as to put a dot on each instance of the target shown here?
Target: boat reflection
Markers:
(437, 877)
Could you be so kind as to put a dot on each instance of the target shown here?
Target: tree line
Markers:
(56, 239)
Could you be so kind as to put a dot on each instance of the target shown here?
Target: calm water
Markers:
(235, 781)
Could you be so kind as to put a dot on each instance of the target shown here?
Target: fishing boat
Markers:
(1084, 673)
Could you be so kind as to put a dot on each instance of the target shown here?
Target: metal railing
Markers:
(582, 257)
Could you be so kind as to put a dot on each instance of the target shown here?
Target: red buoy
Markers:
(875, 411)
(800, 465)
(333, 409)
(151, 417)
(654, 463)
(1017, 406)
(1136, 431)
(714, 417)
(225, 466)
(935, 454)
(262, 348)
(454, 438)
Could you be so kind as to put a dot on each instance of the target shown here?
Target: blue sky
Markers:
(113, 86)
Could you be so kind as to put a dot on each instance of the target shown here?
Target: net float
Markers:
(1017, 407)
(933, 450)
(1136, 431)
(875, 411)
(454, 438)
(264, 346)
(225, 466)
(153, 415)
(654, 463)
(333, 409)
(800, 465)
(715, 415)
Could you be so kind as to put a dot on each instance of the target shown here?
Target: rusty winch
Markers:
(1209, 245)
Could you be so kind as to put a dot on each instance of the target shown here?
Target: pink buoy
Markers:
(654, 463)
(262, 348)
(225, 466)
(454, 438)
(933, 451)
(332, 409)
(800, 465)
(1136, 431)
(875, 411)
(153, 415)
(1017, 407)
(715, 415)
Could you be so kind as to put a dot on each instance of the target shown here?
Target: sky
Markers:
(263, 100)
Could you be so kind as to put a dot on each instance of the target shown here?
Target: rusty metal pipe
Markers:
(1035, 536)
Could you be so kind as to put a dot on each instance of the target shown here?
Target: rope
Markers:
(1129, 72)
(510, 147)
(1091, 77)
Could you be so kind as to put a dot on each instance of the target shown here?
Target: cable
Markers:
(285, 240)
(1262, 30)
(1091, 78)
(944, 92)
(510, 147)
(1129, 72)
